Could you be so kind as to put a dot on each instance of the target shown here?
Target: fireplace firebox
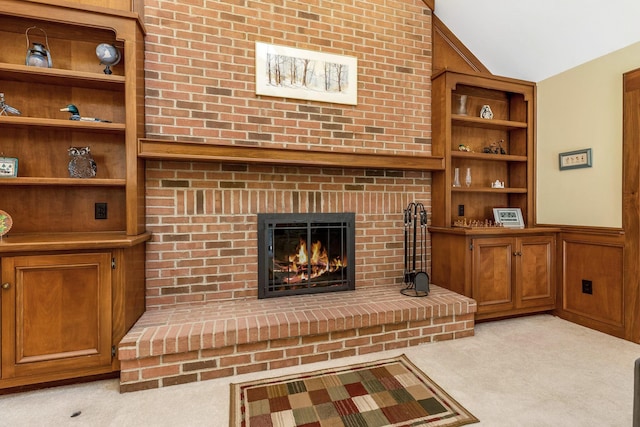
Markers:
(305, 253)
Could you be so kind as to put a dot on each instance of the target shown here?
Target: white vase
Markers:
(467, 178)
(462, 105)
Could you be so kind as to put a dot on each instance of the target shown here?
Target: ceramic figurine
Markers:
(81, 164)
(75, 115)
(485, 112)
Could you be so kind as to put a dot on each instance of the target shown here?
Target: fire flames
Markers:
(308, 267)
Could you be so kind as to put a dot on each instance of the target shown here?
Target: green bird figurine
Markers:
(75, 115)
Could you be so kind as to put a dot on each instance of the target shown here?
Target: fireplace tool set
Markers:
(415, 251)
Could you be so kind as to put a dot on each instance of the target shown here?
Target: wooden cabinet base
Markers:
(499, 315)
(62, 314)
(507, 272)
(10, 385)
(56, 313)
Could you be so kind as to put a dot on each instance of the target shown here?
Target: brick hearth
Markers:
(188, 343)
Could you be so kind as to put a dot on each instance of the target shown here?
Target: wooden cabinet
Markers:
(68, 300)
(63, 312)
(507, 271)
(56, 315)
(512, 274)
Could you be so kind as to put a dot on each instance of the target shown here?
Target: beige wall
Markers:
(582, 108)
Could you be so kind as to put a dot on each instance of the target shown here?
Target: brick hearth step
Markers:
(189, 343)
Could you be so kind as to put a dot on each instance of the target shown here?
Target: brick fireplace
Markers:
(204, 319)
(280, 157)
(230, 154)
(204, 220)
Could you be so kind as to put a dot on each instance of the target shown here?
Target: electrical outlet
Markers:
(101, 211)
(587, 287)
(460, 210)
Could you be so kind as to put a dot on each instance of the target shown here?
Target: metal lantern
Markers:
(37, 53)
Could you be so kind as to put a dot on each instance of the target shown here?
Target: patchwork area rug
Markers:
(391, 392)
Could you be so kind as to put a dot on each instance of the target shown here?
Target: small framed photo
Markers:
(575, 159)
(8, 167)
(508, 217)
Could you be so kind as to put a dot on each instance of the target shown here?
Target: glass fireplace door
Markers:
(305, 253)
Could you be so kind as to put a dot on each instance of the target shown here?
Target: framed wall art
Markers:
(508, 217)
(8, 167)
(305, 74)
(575, 159)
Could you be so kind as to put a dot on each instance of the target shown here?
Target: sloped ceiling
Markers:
(536, 39)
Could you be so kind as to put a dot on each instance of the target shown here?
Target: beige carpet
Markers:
(533, 371)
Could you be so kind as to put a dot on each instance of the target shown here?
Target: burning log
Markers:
(301, 267)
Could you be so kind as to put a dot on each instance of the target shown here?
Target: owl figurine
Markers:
(81, 163)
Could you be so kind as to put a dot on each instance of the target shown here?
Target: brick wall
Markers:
(201, 87)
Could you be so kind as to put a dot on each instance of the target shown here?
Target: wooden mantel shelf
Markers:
(181, 150)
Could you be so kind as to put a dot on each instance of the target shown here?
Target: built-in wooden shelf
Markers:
(29, 242)
(19, 121)
(488, 156)
(74, 182)
(181, 150)
(505, 190)
(58, 260)
(478, 122)
(57, 76)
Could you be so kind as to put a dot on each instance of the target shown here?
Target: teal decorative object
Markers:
(75, 115)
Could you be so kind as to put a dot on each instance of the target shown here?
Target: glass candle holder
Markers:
(456, 177)
(461, 105)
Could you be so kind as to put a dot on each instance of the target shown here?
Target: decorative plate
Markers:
(5, 223)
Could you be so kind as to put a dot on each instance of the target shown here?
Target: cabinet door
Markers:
(492, 278)
(56, 315)
(534, 271)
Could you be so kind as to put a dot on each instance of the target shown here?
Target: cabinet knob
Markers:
(517, 254)
(5, 286)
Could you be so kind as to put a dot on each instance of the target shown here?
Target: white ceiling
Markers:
(536, 39)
